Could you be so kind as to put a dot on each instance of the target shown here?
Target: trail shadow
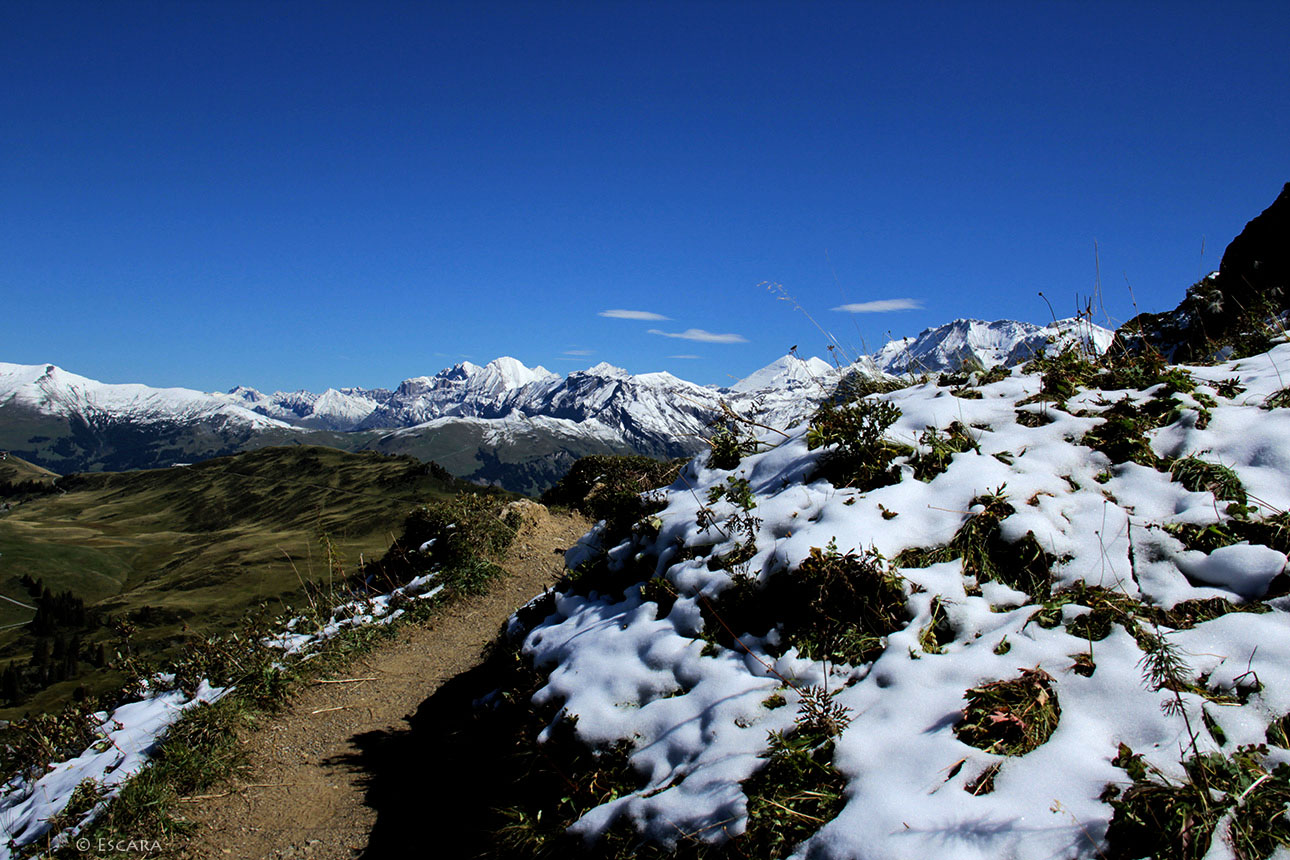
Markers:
(436, 785)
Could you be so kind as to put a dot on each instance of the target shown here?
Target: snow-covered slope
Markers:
(49, 390)
(688, 659)
(1003, 342)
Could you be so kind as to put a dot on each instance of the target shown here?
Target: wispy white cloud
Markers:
(701, 336)
(578, 352)
(633, 315)
(685, 356)
(881, 306)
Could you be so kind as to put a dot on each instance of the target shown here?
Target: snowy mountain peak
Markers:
(342, 408)
(1002, 342)
(512, 373)
(787, 371)
(461, 371)
(661, 378)
(604, 369)
(449, 377)
(1081, 333)
(414, 385)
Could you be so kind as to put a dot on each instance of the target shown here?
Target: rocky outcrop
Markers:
(1227, 309)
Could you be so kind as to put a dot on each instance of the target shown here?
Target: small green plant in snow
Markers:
(861, 455)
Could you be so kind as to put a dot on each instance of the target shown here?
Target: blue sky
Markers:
(302, 195)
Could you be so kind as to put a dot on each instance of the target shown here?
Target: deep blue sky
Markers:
(319, 194)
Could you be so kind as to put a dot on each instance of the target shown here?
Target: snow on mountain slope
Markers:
(515, 427)
(1003, 342)
(467, 390)
(334, 409)
(650, 411)
(507, 374)
(659, 406)
(50, 390)
(343, 409)
(639, 654)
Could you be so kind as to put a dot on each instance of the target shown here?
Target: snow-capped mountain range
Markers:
(602, 408)
(505, 386)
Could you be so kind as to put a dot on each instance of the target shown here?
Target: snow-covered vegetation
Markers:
(50, 805)
(53, 807)
(1027, 614)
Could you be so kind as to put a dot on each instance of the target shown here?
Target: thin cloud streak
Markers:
(701, 336)
(633, 315)
(685, 356)
(578, 352)
(881, 306)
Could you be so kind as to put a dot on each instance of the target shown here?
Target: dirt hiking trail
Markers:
(310, 790)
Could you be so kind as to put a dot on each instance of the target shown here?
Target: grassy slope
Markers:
(204, 544)
(529, 462)
(14, 469)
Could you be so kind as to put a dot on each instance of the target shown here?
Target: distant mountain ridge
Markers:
(50, 390)
(502, 422)
(649, 402)
(506, 386)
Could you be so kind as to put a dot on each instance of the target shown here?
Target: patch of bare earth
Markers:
(306, 793)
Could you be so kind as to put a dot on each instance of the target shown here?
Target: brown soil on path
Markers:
(306, 792)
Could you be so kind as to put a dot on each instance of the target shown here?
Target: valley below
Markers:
(156, 559)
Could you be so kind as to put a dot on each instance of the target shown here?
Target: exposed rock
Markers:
(1256, 266)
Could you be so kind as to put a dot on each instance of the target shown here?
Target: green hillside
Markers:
(21, 480)
(523, 462)
(188, 551)
(72, 445)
